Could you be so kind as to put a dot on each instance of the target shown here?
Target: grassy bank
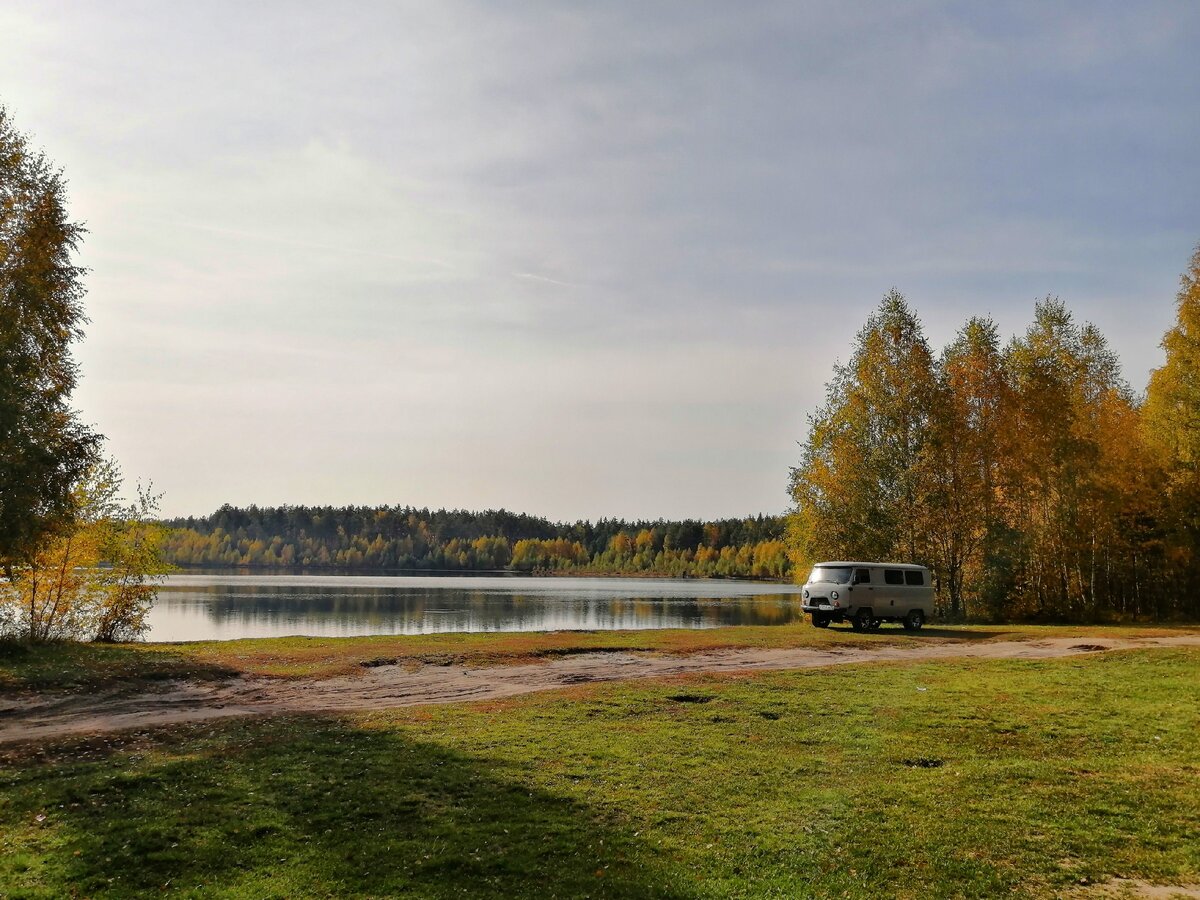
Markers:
(95, 666)
(970, 778)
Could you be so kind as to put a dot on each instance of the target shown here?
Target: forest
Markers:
(1028, 475)
(408, 539)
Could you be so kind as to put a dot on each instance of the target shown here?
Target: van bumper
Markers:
(815, 607)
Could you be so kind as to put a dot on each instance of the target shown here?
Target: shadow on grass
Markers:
(72, 665)
(954, 633)
(933, 632)
(314, 806)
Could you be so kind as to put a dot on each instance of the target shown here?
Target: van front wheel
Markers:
(914, 620)
(820, 620)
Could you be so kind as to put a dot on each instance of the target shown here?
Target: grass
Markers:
(88, 667)
(965, 778)
(73, 666)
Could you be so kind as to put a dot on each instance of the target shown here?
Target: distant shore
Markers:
(467, 573)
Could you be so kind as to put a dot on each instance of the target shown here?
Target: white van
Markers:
(867, 594)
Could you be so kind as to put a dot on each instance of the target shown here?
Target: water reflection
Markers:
(224, 606)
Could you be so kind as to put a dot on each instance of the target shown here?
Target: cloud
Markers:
(579, 260)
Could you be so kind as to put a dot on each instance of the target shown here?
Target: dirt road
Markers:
(46, 716)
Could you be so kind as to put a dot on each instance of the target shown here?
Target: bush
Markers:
(97, 578)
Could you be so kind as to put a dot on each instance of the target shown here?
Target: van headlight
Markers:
(834, 595)
(806, 593)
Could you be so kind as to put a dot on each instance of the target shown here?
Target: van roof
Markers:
(877, 565)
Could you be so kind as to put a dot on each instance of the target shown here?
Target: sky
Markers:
(579, 260)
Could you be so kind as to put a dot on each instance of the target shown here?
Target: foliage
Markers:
(1073, 477)
(44, 449)
(1172, 425)
(1029, 477)
(408, 539)
(96, 579)
(971, 438)
(857, 487)
(1042, 778)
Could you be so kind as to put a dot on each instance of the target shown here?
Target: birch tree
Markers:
(44, 448)
(963, 466)
(95, 580)
(858, 489)
(1171, 423)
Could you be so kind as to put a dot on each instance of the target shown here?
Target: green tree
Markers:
(44, 449)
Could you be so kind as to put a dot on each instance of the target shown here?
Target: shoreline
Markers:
(390, 684)
(467, 573)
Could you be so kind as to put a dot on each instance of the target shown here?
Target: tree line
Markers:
(409, 539)
(1027, 474)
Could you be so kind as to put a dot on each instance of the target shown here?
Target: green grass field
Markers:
(971, 778)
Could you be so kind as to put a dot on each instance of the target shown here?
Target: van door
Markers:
(920, 590)
(864, 589)
(894, 594)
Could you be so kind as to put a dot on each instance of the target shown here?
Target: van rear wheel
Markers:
(914, 620)
(864, 621)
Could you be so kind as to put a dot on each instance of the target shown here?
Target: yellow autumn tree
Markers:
(961, 468)
(857, 489)
(1020, 475)
(1068, 483)
(1171, 422)
(95, 579)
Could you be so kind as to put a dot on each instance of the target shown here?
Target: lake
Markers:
(192, 607)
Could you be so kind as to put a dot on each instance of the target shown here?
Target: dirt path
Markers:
(42, 717)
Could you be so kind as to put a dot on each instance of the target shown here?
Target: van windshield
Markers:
(836, 574)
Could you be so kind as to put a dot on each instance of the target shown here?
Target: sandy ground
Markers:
(1126, 888)
(45, 716)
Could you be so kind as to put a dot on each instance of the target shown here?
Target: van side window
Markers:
(912, 576)
(893, 576)
(862, 576)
